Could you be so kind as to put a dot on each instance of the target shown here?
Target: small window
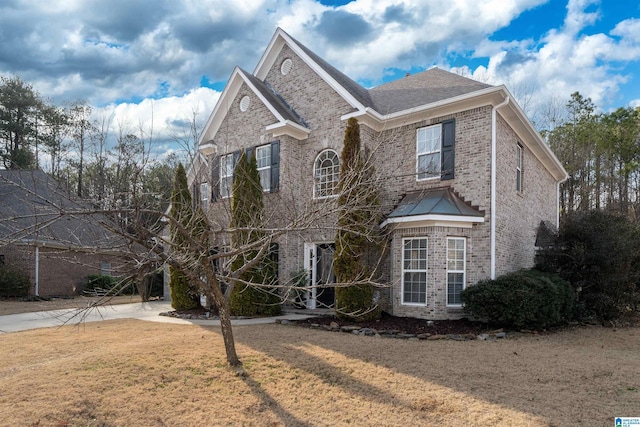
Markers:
(428, 147)
(456, 258)
(326, 174)
(204, 195)
(518, 167)
(227, 166)
(414, 271)
(105, 268)
(263, 158)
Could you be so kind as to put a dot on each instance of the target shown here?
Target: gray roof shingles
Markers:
(33, 208)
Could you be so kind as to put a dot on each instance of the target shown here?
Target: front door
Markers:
(320, 265)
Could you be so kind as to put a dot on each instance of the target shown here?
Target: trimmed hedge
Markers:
(524, 299)
(13, 283)
(353, 301)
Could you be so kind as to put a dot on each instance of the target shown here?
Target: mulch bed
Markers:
(406, 325)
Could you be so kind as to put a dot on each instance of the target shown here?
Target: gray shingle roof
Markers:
(355, 89)
(34, 208)
(422, 88)
(284, 109)
(440, 201)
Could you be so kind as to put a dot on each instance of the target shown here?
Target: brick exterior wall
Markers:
(393, 153)
(518, 214)
(61, 273)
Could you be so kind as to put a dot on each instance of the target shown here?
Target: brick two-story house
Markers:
(465, 177)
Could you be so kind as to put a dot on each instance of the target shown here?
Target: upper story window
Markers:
(435, 153)
(268, 163)
(518, 167)
(204, 195)
(263, 158)
(428, 146)
(227, 166)
(326, 174)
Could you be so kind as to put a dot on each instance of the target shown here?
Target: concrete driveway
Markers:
(149, 311)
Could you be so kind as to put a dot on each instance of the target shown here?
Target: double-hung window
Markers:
(227, 166)
(204, 196)
(414, 271)
(263, 158)
(428, 148)
(456, 258)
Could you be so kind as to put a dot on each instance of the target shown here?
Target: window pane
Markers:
(455, 284)
(429, 165)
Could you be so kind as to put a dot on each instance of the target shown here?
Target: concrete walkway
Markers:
(149, 311)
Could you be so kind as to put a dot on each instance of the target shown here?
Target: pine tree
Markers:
(247, 223)
(357, 239)
(182, 212)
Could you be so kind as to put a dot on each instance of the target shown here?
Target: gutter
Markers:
(494, 111)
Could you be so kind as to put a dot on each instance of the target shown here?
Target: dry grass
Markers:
(124, 373)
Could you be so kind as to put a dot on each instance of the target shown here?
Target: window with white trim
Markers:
(518, 167)
(326, 174)
(428, 148)
(263, 158)
(227, 166)
(456, 275)
(204, 196)
(414, 271)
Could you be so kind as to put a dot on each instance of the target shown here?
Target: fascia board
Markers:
(433, 220)
(280, 38)
(222, 106)
(380, 122)
(519, 121)
(287, 127)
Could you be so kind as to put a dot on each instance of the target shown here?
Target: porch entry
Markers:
(319, 264)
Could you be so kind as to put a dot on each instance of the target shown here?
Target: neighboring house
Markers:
(47, 234)
(465, 177)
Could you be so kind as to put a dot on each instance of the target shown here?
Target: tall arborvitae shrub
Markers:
(357, 238)
(247, 223)
(182, 296)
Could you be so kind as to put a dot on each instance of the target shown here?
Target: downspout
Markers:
(37, 275)
(494, 138)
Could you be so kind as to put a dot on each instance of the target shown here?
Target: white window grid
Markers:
(428, 151)
(326, 173)
(456, 269)
(415, 254)
(263, 159)
(226, 175)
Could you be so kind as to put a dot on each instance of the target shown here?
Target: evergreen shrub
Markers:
(523, 299)
(13, 282)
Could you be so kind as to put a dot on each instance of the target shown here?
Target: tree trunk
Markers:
(225, 321)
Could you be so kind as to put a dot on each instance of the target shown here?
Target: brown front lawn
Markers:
(124, 373)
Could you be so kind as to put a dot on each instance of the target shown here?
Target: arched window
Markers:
(326, 173)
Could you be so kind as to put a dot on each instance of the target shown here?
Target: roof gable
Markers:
(287, 121)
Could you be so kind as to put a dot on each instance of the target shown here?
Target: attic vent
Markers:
(244, 103)
(286, 66)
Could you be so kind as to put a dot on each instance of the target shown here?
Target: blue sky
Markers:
(161, 61)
